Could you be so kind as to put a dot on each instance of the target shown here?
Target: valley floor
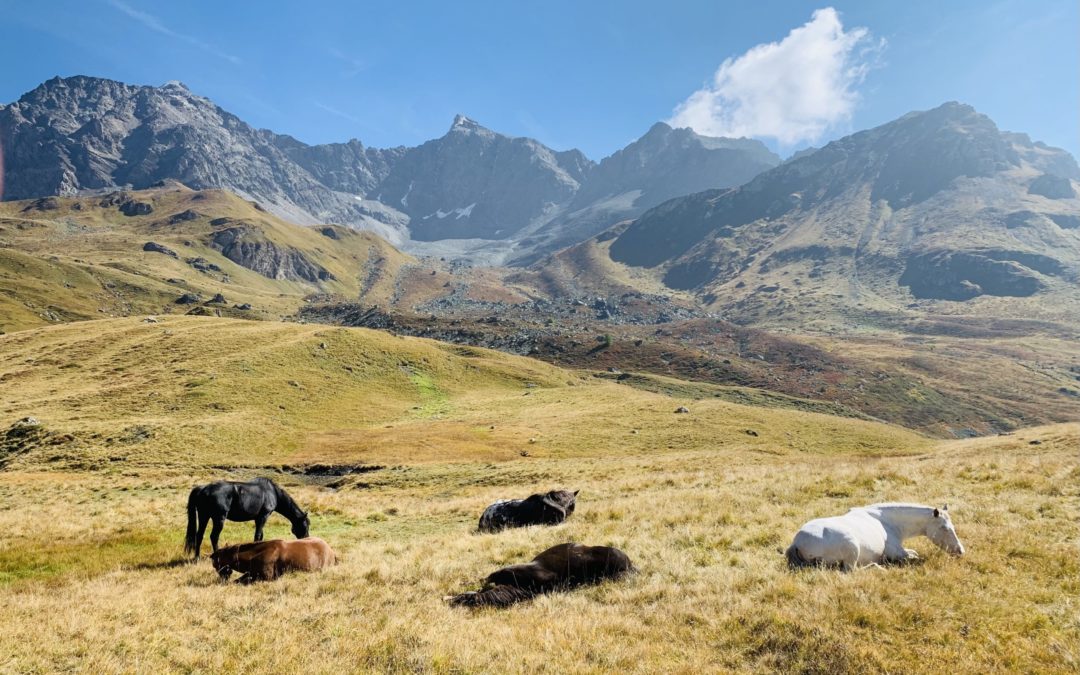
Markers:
(92, 577)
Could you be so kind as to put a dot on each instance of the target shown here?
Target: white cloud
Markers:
(792, 90)
(354, 66)
(336, 112)
(155, 24)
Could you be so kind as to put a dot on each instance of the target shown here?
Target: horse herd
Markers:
(864, 536)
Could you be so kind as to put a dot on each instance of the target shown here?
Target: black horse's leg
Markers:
(203, 520)
(219, 523)
(259, 523)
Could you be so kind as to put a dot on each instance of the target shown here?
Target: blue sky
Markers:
(591, 75)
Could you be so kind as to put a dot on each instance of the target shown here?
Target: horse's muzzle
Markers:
(224, 572)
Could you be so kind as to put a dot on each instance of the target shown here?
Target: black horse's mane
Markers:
(496, 596)
(289, 507)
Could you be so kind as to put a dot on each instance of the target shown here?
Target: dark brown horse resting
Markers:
(240, 502)
(550, 508)
(559, 567)
(268, 560)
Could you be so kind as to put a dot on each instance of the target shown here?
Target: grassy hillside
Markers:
(64, 259)
(230, 392)
(134, 413)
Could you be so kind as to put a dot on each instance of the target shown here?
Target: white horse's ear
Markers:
(937, 514)
(575, 492)
(945, 508)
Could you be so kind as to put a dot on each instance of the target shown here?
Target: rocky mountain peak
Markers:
(463, 124)
(476, 183)
(68, 92)
(658, 130)
(664, 162)
(462, 121)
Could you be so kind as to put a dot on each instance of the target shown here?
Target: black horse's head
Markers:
(301, 526)
(564, 499)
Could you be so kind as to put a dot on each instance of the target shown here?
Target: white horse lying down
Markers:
(870, 535)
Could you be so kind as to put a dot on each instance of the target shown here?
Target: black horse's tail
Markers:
(497, 596)
(190, 541)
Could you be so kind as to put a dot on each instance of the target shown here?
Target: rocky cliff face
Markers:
(345, 167)
(473, 182)
(250, 249)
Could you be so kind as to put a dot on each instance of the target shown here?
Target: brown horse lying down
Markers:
(267, 560)
(562, 566)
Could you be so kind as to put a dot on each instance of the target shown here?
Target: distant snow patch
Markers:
(463, 212)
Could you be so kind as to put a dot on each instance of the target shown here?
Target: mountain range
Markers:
(935, 206)
(937, 212)
(82, 133)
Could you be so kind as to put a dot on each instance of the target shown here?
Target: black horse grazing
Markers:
(550, 508)
(562, 566)
(239, 502)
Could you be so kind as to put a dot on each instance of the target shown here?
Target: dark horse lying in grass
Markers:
(550, 508)
(268, 560)
(562, 566)
(239, 502)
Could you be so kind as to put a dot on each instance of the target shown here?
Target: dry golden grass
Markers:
(88, 573)
(1002, 382)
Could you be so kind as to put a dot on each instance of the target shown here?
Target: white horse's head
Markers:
(941, 531)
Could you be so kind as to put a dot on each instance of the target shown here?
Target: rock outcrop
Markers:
(249, 249)
(962, 275)
(154, 247)
(134, 208)
(1052, 187)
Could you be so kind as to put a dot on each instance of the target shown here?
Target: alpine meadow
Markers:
(787, 380)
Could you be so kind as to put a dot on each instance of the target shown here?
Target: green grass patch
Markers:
(143, 549)
(433, 400)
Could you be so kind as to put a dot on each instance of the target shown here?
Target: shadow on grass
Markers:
(836, 567)
(161, 565)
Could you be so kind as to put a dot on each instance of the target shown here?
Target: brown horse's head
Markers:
(223, 561)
